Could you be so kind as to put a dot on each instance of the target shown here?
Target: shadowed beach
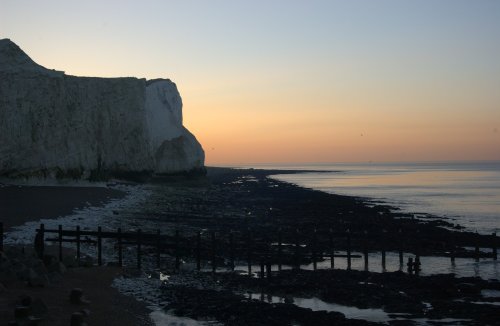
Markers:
(20, 204)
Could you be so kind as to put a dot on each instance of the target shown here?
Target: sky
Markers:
(280, 81)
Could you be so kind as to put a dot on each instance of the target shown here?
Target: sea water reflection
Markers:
(466, 192)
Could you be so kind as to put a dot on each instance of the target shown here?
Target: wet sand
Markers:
(20, 204)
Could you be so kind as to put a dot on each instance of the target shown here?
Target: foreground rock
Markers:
(52, 124)
(402, 299)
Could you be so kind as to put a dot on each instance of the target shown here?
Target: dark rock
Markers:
(39, 308)
(76, 297)
(37, 280)
(77, 319)
(21, 312)
(38, 266)
(70, 261)
(4, 260)
(57, 267)
(7, 276)
(25, 300)
(33, 321)
(54, 277)
(85, 312)
(49, 259)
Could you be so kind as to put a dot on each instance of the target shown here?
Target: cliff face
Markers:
(54, 123)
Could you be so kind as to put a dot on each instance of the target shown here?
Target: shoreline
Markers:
(238, 199)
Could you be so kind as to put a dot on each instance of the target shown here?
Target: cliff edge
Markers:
(52, 124)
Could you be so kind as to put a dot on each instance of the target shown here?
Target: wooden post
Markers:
(1, 236)
(401, 259)
(267, 258)
(42, 239)
(348, 249)
(297, 249)
(177, 252)
(383, 260)
(214, 266)
(410, 265)
(417, 268)
(78, 245)
(60, 242)
(158, 248)
(268, 267)
(99, 246)
(249, 252)
(280, 249)
(231, 250)
(452, 250)
(332, 251)
(139, 257)
(315, 264)
(365, 250)
(262, 272)
(384, 234)
(476, 251)
(120, 255)
(198, 251)
(494, 245)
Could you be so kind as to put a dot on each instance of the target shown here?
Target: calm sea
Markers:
(466, 193)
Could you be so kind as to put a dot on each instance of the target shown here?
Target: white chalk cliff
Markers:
(66, 125)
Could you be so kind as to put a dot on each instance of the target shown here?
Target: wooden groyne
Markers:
(217, 249)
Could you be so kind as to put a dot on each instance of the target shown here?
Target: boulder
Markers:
(57, 267)
(76, 296)
(37, 280)
(77, 319)
(38, 308)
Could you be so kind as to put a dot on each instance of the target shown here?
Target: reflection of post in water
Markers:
(494, 245)
(198, 251)
(384, 232)
(476, 250)
(452, 250)
(348, 249)
(297, 249)
(249, 252)
(231, 250)
(280, 250)
(365, 249)
(401, 261)
(332, 251)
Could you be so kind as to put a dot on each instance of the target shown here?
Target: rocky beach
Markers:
(229, 205)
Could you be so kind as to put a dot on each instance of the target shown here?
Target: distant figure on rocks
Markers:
(410, 266)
